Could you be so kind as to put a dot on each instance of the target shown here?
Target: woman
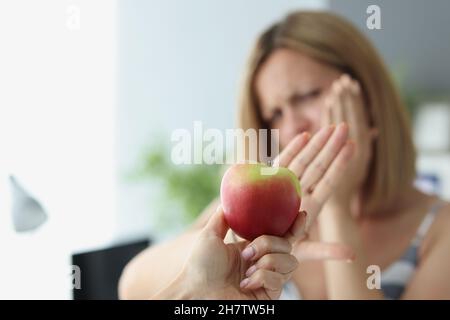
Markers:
(308, 71)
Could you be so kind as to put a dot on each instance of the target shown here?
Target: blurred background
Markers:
(90, 91)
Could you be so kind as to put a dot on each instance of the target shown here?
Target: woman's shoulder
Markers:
(441, 221)
(430, 280)
(438, 232)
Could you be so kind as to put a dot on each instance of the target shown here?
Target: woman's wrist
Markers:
(335, 222)
(344, 200)
(337, 207)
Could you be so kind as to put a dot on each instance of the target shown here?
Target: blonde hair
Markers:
(333, 41)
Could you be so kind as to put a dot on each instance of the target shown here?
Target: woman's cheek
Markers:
(318, 114)
(283, 138)
(285, 135)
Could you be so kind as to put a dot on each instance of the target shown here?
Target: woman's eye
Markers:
(301, 98)
(276, 116)
(315, 93)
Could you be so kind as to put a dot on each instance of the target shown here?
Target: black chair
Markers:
(101, 270)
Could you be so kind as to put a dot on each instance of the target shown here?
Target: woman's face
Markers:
(291, 88)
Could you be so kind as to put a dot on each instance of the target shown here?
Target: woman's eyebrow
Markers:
(307, 91)
(304, 93)
(297, 93)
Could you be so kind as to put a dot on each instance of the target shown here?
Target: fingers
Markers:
(277, 262)
(291, 150)
(217, 224)
(351, 101)
(325, 118)
(314, 208)
(334, 174)
(320, 164)
(345, 103)
(272, 282)
(272, 271)
(266, 244)
(273, 267)
(337, 104)
(309, 250)
(298, 228)
(300, 162)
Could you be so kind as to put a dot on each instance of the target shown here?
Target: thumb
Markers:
(217, 224)
(298, 229)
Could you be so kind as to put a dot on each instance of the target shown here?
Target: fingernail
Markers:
(351, 259)
(248, 253)
(244, 282)
(328, 130)
(343, 125)
(250, 271)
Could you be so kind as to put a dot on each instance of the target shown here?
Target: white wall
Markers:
(180, 61)
(175, 62)
(57, 111)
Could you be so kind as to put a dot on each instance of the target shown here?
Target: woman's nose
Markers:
(296, 124)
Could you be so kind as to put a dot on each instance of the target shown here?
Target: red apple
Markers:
(255, 203)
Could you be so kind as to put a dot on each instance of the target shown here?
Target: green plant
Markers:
(185, 190)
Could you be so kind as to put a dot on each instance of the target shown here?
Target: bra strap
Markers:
(427, 221)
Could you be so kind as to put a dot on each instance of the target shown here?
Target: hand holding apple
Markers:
(256, 204)
(216, 270)
(259, 269)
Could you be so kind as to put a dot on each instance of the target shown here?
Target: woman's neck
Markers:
(404, 202)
